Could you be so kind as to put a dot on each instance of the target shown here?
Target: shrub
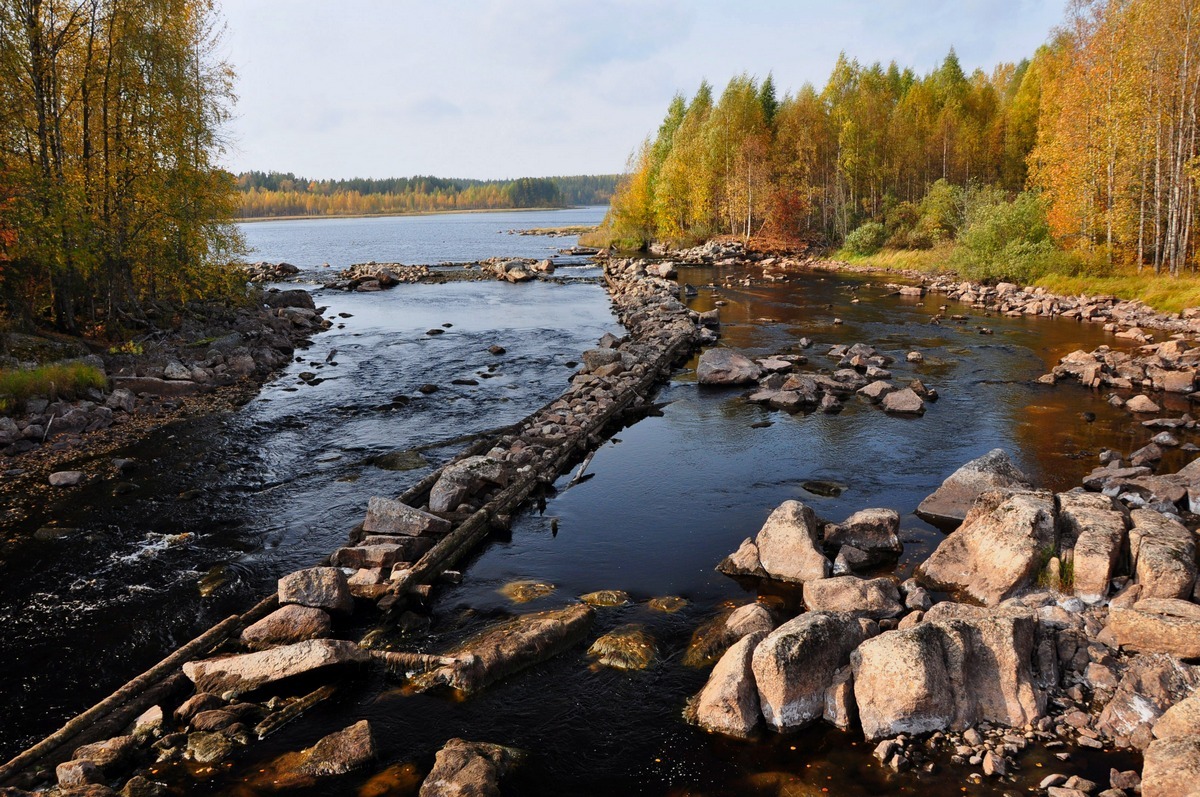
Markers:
(1005, 240)
(57, 381)
(867, 239)
(942, 212)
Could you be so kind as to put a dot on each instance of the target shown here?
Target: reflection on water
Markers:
(671, 496)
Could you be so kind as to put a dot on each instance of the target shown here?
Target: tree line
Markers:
(268, 194)
(110, 196)
(1088, 147)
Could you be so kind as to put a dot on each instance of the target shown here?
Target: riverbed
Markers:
(225, 505)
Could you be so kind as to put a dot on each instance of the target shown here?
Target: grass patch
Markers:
(929, 261)
(1162, 292)
(58, 381)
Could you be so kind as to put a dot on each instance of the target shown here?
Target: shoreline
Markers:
(456, 212)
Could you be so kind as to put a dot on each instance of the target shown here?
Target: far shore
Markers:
(253, 219)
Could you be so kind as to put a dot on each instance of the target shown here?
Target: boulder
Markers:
(876, 531)
(1164, 555)
(876, 598)
(1149, 686)
(1157, 625)
(1004, 541)
(949, 503)
(1142, 404)
(469, 769)
(78, 774)
(787, 545)
(876, 391)
(318, 587)
(249, 671)
(462, 479)
(903, 402)
(1094, 528)
(389, 516)
(108, 754)
(375, 555)
(1171, 768)
(796, 663)
(710, 641)
(513, 645)
(722, 366)
(285, 625)
(948, 674)
(1180, 720)
(743, 562)
(728, 703)
(840, 709)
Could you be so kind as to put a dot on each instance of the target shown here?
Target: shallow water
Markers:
(284, 480)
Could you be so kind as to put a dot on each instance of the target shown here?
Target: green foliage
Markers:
(1007, 240)
(942, 211)
(57, 381)
(867, 239)
(533, 192)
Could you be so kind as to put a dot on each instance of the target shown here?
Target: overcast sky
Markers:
(511, 88)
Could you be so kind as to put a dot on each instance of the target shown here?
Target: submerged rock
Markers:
(526, 590)
(512, 646)
(951, 502)
(626, 648)
(470, 769)
(606, 597)
(667, 604)
(336, 754)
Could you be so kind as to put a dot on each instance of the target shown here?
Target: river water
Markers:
(281, 482)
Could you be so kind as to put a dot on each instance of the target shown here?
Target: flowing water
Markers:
(283, 480)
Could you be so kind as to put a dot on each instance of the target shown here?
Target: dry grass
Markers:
(59, 381)
(1164, 293)
(929, 261)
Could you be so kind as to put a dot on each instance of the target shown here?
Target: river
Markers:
(282, 481)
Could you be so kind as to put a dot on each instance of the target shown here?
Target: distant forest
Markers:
(272, 194)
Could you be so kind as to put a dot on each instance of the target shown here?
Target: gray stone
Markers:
(722, 366)
(249, 671)
(318, 587)
(950, 502)
(389, 516)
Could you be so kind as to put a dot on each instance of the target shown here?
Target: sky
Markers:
(510, 88)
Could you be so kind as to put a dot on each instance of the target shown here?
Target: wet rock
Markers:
(795, 664)
(606, 597)
(999, 549)
(1093, 527)
(462, 479)
(903, 402)
(710, 641)
(514, 645)
(319, 588)
(336, 754)
(875, 531)
(391, 516)
(628, 647)
(728, 703)
(948, 674)
(1164, 555)
(722, 366)
(286, 625)
(876, 598)
(743, 562)
(1157, 625)
(470, 769)
(951, 502)
(214, 721)
(1171, 768)
(787, 545)
(208, 748)
(667, 604)
(399, 461)
(201, 701)
(250, 671)
(67, 478)
(526, 590)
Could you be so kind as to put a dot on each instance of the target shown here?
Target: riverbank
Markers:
(210, 358)
(254, 219)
